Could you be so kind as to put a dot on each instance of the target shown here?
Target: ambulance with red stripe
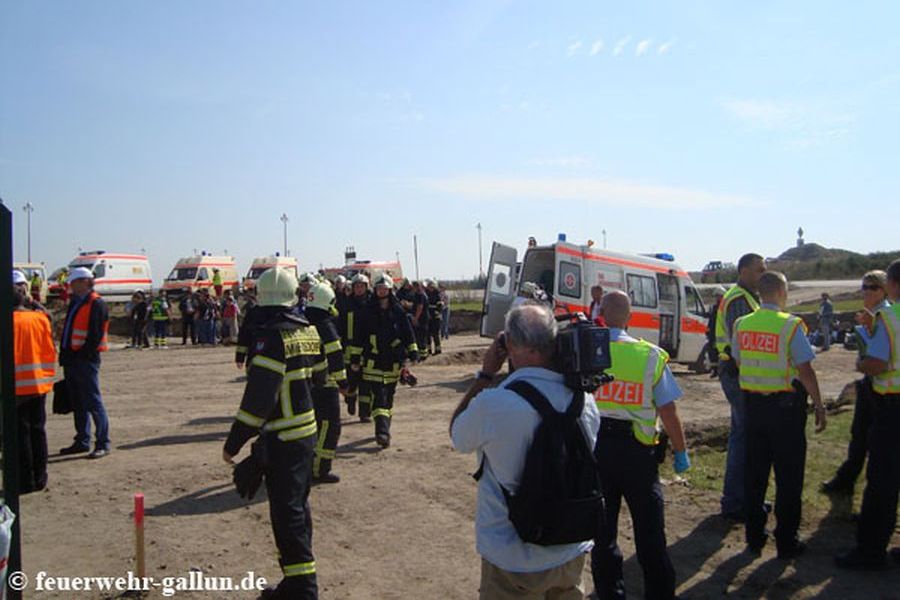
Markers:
(263, 264)
(116, 276)
(666, 308)
(196, 272)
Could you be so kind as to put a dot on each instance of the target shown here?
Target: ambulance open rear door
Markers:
(500, 289)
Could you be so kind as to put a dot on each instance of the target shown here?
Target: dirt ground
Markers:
(400, 523)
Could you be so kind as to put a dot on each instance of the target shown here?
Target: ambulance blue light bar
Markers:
(661, 256)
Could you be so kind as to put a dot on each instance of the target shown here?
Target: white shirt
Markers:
(499, 425)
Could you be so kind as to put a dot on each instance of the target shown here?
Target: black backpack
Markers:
(559, 500)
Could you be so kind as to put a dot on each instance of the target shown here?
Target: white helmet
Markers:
(276, 287)
(320, 296)
(18, 277)
(340, 280)
(384, 281)
(308, 278)
(360, 278)
(80, 273)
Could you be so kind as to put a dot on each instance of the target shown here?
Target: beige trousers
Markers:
(561, 583)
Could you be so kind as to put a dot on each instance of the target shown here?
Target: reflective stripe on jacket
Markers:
(723, 335)
(34, 353)
(81, 323)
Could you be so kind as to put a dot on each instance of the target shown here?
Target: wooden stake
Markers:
(139, 534)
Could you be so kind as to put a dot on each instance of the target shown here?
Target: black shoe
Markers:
(326, 478)
(383, 440)
(74, 449)
(351, 406)
(836, 486)
(854, 560)
(363, 419)
(99, 453)
(734, 516)
(793, 551)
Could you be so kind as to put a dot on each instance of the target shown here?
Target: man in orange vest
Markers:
(35, 357)
(83, 339)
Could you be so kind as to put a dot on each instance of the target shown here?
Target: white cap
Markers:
(18, 277)
(80, 273)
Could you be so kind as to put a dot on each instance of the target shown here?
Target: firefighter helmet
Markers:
(360, 278)
(308, 278)
(320, 296)
(276, 287)
(384, 281)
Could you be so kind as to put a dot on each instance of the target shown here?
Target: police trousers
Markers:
(776, 438)
(288, 471)
(878, 515)
(629, 469)
(858, 447)
(327, 404)
(382, 406)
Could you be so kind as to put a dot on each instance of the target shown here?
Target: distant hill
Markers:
(813, 261)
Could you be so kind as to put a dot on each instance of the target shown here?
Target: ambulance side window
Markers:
(100, 270)
(570, 279)
(694, 303)
(202, 275)
(642, 291)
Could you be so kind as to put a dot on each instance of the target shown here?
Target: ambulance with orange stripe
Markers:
(116, 275)
(196, 272)
(666, 307)
(264, 263)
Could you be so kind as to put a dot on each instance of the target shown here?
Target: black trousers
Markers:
(288, 472)
(382, 406)
(327, 403)
(878, 515)
(139, 334)
(434, 334)
(364, 397)
(858, 447)
(629, 469)
(187, 324)
(422, 338)
(32, 415)
(776, 438)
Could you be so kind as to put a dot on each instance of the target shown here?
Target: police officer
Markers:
(329, 380)
(738, 301)
(773, 353)
(643, 390)
(435, 312)
(356, 308)
(277, 406)
(874, 299)
(878, 515)
(387, 343)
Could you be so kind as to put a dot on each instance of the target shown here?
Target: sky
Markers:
(703, 129)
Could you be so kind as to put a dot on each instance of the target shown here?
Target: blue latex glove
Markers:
(682, 462)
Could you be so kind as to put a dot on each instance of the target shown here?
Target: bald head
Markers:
(616, 308)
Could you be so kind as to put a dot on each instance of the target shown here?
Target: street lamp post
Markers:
(480, 263)
(29, 208)
(284, 219)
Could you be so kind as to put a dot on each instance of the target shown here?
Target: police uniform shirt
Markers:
(666, 389)
(879, 345)
(800, 352)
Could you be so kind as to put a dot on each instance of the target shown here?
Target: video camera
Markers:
(582, 352)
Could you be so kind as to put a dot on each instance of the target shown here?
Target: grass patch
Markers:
(852, 305)
(824, 453)
(470, 305)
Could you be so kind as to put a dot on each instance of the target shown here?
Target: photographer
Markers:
(499, 424)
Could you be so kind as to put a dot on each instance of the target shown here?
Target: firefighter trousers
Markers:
(434, 336)
(327, 403)
(364, 399)
(382, 406)
(288, 471)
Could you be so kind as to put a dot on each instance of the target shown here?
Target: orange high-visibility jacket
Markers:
(80, 326)
(34, 353)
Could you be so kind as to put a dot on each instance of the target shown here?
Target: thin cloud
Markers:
(602, 192)
(642, 47)
(800, 125)
(620, 45)
(664, 48)
(574, 47)
(597, 47)
(567, 162)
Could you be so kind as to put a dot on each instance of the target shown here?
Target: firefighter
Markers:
(159, 314)
(388, 344)
(435, 310)
(419, 318)
(247, 330)
(774, 358)
(329, 382)
(358, 389)
(277, 406)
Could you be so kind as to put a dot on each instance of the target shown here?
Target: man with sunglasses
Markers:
(874, 299)
(881, 361)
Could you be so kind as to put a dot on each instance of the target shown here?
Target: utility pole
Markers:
(480, 263)
(604, 239)
(416, 254)
(29, 208)
(284, 219)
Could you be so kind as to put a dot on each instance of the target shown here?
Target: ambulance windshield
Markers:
(184, 274)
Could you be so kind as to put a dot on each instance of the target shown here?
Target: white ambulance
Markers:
(262, 264)
(196, 272)
(116, 276)
(666, 307)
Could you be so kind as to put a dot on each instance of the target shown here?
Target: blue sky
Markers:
(705, 129)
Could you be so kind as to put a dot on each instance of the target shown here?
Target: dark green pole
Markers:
(8, 395)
